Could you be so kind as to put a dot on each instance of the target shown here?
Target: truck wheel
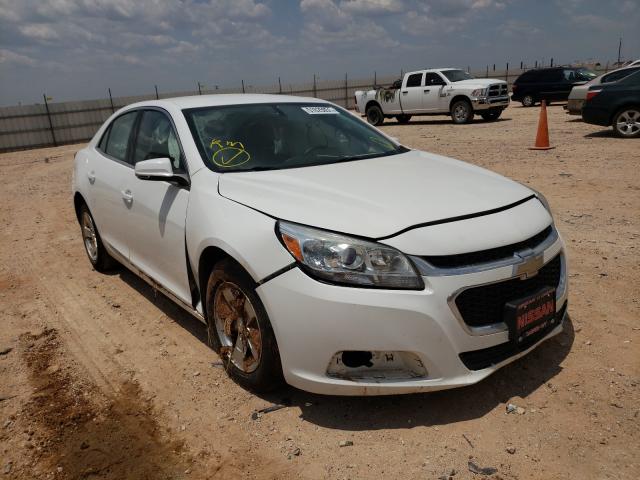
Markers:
(626, 123)
(403, 118)
(491, 115)
(528, 101)
(461, 112)
(239, 330)
(375, 115)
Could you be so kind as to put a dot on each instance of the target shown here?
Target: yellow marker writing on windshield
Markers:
(228, 154)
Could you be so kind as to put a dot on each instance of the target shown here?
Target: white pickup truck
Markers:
(435, 92)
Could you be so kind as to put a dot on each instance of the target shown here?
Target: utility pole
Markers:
(619, 50)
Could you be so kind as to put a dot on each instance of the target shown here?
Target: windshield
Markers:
(285, 135)
(457, 75)
(586, 74)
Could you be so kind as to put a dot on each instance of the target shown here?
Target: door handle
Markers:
(426, 91)
(127, 196)
(404, 93)
(91, 176)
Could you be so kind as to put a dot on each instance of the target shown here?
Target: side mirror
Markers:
(159, 169)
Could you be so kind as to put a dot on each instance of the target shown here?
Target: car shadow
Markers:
(518, 379)
(576, 120)
(608, 133)
(443, 122)
(172, 310)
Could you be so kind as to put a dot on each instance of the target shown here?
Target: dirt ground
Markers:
(100, 378)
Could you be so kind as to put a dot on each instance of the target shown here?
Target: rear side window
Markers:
(552, 75)
(157, 139)
(615, 76)
(527, 77)
(414, 80)
(119, 135)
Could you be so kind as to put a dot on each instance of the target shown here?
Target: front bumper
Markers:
(314, 321)
(486, 103)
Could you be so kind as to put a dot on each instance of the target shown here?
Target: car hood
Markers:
(477, 82)
(375, 197)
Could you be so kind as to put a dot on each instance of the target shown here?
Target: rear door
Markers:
(411, 93)
(159, 208)
(433, 99)
(110, 172)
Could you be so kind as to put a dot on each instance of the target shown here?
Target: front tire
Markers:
(461, 112)
(239, 330)
(403, 119)
(374, 115)
(528, 101)
(491, 115)
(626, 123)
(93, 246)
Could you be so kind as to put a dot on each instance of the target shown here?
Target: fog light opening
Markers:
(357, 358)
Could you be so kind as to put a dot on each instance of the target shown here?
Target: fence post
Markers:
(157, 96)
(487, 74)
(346, 91)
(199, 89)
(315, 92)
(46, 106)
(375, 79)
(506, 74)
(111, 101)
(242, 86)
(551, 62)
(279, 86)
(520, 64)
(536, 64)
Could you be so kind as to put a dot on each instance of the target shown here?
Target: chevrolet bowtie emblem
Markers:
(529, 266)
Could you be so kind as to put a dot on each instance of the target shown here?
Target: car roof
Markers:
(200, 101)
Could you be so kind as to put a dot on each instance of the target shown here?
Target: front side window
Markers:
(119, 134)
(285, 135)
(414, 80)
(457, 75)
(433, 79)
(157, 139)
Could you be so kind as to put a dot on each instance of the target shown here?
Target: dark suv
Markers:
(550, 84)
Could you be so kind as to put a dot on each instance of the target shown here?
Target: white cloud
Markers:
(366, 7)
(8, 57)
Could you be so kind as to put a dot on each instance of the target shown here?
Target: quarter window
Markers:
(120, 132)
(156, 139)
(414, 80)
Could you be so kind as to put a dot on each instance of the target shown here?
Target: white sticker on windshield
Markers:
(320, 110)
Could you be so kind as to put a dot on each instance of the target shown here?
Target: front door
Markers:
(433, 91)
(159, 208)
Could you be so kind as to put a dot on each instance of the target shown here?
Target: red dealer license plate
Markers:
(531, 315)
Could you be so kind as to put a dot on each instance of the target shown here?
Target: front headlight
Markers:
(345, 260)
(479, 92)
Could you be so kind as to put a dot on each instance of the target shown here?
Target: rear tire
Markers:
(626, 122)
(403, 119)
(239, 330)
(528, 101)
(93, 246)
(374, 115)
(491, 115)
(461, 112)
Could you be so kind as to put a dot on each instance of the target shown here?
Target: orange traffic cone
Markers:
(542, 138)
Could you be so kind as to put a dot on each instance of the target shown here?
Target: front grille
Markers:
(484, 305)
(498, 90)
(487, 256)
(479, 359)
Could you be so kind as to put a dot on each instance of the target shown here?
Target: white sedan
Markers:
(316, 249)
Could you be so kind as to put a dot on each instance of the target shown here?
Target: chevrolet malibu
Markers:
(316, 249)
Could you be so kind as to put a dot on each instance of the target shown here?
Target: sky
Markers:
(77, 49)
